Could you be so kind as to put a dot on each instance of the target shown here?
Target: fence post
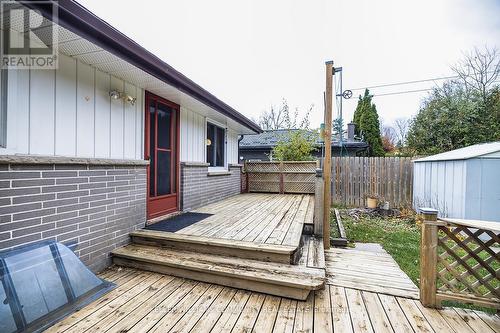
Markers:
(318, 203)
(247, 185)
(282, 181)
(428, 258)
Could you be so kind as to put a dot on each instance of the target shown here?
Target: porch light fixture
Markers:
(116, 95)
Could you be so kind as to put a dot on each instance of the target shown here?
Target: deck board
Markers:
(146, 302)
(363, 270)
(256, 217)
(365, 292)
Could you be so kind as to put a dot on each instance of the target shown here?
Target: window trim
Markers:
(224, 127)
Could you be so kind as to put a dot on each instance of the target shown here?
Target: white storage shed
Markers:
(462, 183)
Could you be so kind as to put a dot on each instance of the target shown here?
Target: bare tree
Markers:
(401, 127)
(274, 118)
(389, 133)
(280, 118)
(294, 121)
(479, 70)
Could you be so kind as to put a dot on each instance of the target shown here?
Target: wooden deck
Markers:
(152, 302)
(256, 217)
(365, 292)
(252, 242)
(370, 271)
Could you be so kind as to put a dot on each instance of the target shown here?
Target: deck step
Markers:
(217, 246)
(278, 279)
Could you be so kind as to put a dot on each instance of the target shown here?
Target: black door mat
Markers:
(178, 222)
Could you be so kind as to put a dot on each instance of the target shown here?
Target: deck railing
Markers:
(459, 261)
(281, 177)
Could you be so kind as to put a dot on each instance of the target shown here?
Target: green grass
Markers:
(400, 237)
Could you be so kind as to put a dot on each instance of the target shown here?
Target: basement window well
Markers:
(42, 283)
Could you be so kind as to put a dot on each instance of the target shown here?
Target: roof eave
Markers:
(81, 21)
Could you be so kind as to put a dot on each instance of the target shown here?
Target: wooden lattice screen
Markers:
(467, 262)
(281, 177)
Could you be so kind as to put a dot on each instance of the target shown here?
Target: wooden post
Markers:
(246, 177)
(327, 163)
(428, 258)
(318, 203)
(282, 180)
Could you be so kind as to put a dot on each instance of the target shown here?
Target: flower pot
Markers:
(371, 202)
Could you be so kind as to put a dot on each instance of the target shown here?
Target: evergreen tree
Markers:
(367, 124)
(360, 108)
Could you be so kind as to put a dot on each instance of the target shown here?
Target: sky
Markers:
(254, 53)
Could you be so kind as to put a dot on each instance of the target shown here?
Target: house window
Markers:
(216, 141)
(3, 107)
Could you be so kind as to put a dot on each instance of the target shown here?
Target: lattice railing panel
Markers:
(281, 177)
(262, 167)
(299, 183)
(468, 262)
(300, 167)
(264, 182)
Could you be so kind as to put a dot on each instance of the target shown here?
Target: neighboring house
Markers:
(463, 183)
(258, 147)
(112, 138)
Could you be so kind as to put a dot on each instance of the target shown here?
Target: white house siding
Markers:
(193, 129)
(192, 136)
(232, 147)
(68, 112)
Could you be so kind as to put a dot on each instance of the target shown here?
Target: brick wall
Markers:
(199, 187)
(95, 206)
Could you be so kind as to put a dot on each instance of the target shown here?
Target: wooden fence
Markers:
(389, 178)
(459, 261)
(281, 177)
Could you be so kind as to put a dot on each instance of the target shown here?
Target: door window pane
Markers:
(164, 126)
(163, 170)
(173, 155)
(210, 144)
(152, 144)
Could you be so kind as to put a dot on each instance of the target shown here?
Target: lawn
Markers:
(400, 237)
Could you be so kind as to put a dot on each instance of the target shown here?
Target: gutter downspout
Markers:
(240, 137)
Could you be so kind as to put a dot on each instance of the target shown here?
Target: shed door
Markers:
(162, 148)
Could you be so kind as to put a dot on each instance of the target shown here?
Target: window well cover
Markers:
(41, 283)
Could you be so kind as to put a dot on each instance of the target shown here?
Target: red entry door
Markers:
(162, 150)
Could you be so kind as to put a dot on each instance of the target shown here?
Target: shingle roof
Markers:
(269, 139)
(464, 153)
